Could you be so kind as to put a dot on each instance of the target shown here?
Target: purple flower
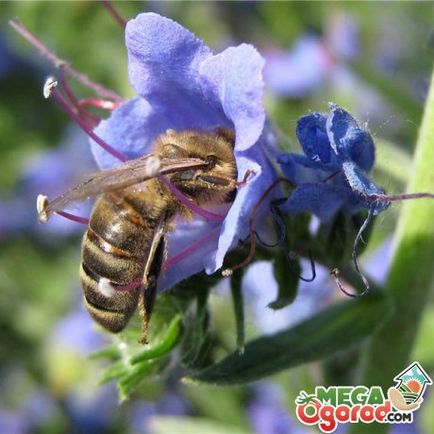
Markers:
(332, 174)
(182, 85)
(296, 73)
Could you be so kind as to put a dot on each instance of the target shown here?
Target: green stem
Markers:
(411, 274)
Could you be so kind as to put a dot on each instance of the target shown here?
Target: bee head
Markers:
(216, 180)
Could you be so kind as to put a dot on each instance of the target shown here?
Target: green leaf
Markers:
(237, 298)
(139, 372)
(111, 352)
(287, 279)
(337, 328)
(114, 371)
(196, 332)
(163, 347)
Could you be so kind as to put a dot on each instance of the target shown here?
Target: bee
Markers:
(125, 240)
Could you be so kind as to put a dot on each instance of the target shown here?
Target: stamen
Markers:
(114, 13)
(90, 117)
(354, 254)
(130, 286)
(190, 249)
(243, 182)
(402, 196)
(50, 90)
(43, 215)
(335, 272)
(98, 103)
(74, 218)
(228, 271)
(58, 62)
(208, 215)
(293, 256)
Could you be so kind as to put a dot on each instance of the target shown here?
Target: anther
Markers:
(49, 85)
(41, 207)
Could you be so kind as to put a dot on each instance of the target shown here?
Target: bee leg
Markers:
(150, 276)
(147, 299)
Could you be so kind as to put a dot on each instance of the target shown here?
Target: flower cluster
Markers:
(332, 175)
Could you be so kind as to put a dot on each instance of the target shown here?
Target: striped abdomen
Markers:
(115, 247)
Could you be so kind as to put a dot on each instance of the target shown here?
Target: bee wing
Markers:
(125, 175)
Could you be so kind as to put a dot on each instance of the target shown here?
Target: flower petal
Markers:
(312, 135)
(234, 77)
(300, 169)
(348, 140)
(364, 187)
(315, 198)
(198, 240)
(162, 56)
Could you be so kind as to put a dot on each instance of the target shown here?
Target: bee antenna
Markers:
(335, 272)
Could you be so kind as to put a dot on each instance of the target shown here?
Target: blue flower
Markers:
(332, 175)
(182, 85)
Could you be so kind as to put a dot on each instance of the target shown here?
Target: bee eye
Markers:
(211, 161)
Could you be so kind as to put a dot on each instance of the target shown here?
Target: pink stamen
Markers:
(208, 215)
(114, 13)
(58, 97)
(74, 218)
(191, 249)
(130, 286)
(98, 103)
(93, 119)
(60, 63)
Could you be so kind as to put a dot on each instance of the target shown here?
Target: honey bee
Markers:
(125, 240)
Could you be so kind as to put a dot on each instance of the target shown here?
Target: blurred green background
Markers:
(372, 58)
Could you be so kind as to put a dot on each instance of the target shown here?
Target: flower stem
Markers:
(60, 63)
(411, 275)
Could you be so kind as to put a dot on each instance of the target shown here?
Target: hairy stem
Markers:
(411, 274)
